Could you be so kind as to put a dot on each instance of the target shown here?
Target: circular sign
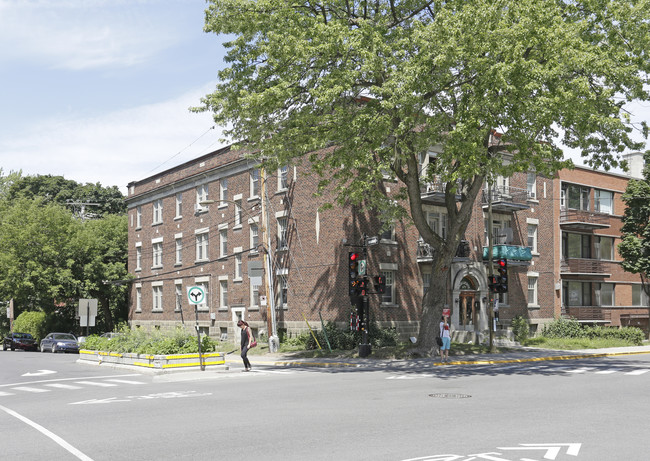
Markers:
(196, 295)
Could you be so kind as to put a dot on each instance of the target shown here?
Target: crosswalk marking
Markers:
(124, 381)
(96, 383)
(5, 393)
(63, 386)
(579, 370)
(29, 389)
(608, 372)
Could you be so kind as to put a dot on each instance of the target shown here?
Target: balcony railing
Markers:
(582, 266)
(584, 218)
(506, 198)
(426, 253)
(588, 313)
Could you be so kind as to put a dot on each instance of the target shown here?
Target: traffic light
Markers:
(353, 279)
(492, 283)
(380, 284)
(502, 278)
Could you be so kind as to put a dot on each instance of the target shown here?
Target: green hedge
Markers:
(342, 339)
(570, 328)
(32, 322)
(178, 341)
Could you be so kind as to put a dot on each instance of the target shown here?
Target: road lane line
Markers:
(2, 394)
(95, 383)
(638, 372)
(35, 390)
(63, 386)
(608, 372)
(80, 455)
(124, 381)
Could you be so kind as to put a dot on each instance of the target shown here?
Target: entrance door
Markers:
(468, 310)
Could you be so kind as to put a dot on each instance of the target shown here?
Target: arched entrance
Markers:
(468, 304)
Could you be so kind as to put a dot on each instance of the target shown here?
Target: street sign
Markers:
(196, 295)
(363, 264)
(262, 300)
(87, 311)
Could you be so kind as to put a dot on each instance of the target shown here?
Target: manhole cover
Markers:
(450, 396)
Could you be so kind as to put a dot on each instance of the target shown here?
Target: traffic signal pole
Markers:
(490, 307)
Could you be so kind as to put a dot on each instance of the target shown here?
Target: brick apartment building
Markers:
(204, 223)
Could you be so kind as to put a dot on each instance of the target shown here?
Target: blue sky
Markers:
(99, 90)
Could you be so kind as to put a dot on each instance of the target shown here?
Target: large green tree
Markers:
(380, 82)
(635, 245)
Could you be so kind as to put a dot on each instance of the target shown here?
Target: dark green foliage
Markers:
(32, 322)
(178, 341)
(520, 329)
(569, 328)
(342, 339)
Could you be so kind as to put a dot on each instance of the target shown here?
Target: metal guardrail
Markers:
(582, 216)
(582, 266)
(588, 313)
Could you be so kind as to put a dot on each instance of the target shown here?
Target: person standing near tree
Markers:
(445, 334)
(246, 340)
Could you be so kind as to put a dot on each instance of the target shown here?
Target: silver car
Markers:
(59, 342)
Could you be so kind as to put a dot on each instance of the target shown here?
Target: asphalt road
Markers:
(589, 409)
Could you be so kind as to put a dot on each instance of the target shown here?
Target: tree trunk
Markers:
(108, 316)
(432, 305)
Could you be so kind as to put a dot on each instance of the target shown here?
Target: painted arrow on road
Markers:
(40, 373)
(552, 449)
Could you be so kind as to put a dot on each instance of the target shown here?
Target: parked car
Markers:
(23, 341)
(59, 342)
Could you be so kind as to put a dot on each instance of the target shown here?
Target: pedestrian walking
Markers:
(246, 341)
(445, 334)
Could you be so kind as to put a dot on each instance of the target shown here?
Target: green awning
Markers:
(512, 252)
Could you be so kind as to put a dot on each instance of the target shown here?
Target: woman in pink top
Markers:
(445, 334)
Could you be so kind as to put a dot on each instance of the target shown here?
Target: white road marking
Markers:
(638, 372)
(608, 372)
(2, 394)
(96, 383)
(40, 373)
(579, 370)
(35, 390)
(80, 455)
(63, 386)
(124, 381)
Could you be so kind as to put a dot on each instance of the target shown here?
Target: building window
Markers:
(138, 258)
(389, 294)
(238, 213)
(282, 234)
(223, 238)
(178, 289)
(138, 217)
(223, 190)
(138, 299)
(255, 240)
(255, 295)
(639, 298)
(202, 246)
(179, 205)
(501, 231)
(238, 267)
(157, 212)
(206, 289)
(605, 248)
(437, 221)
(157, 254)
(575, 197)
(388, 232)
(604, 201)
(532, 291)
(531, 185)
(576, 293)
(157, 297)
(576, 245)
(532, 237)
(179, 250)
(283, 177)
(201, 194)
(283, 290)
(605, 294)
(255, 182)
(223, 294)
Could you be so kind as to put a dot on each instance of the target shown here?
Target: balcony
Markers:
(583, 220)
(425, 252)
(583, 266)
(434, 192)
(505, 199)
(587, 314)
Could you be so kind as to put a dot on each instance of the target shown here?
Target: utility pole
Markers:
(270, 297)
(490, 267)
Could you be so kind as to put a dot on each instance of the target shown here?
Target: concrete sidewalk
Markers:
(515, 355)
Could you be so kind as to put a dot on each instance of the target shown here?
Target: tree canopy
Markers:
(381, 82)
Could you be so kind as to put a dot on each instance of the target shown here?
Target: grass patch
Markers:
(569, 344)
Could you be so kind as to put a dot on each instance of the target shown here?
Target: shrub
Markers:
(520, 329)
(343, 339)
(570, 328)
(563, 328)
(32, 322)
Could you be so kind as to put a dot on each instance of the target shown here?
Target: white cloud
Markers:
(80, 35)
(115, 148)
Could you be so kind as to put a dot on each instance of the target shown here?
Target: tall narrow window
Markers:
(157, 298)
(223, 237)
(157, 254)
(157, 211)
(254, 237)
(283, 288)
(223, 293)
(283, 177)
(255, 182)
(179, 205)
(201, 196)
(223, 190)
(138, 217)
(532, 291)
(238, 213)
(255, 294)
(282, 234)
(238, 267)
(138, 258)
(532, 237)
(389, 293)
(531, 185)
(204, 306)
(138, 299)
(179, 251)
(202, 246)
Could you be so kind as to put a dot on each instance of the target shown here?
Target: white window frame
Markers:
(254, 183)
(223, 192)
(255, 295)
(598, 201)
(238, 265)
(283, 178)
(138, 297)
(138, 217)
(223, 242)
(202, 245)
(254, 231)
(283, 224)
(179, 249)
(534, 225)
(138, 256)
(531, 185)
(157, 217)
(157, 297)
(178, 295)
(157, 253)
(533, 292)
(238, 214)
(223, 292)
(179, 205)
(203, 282)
